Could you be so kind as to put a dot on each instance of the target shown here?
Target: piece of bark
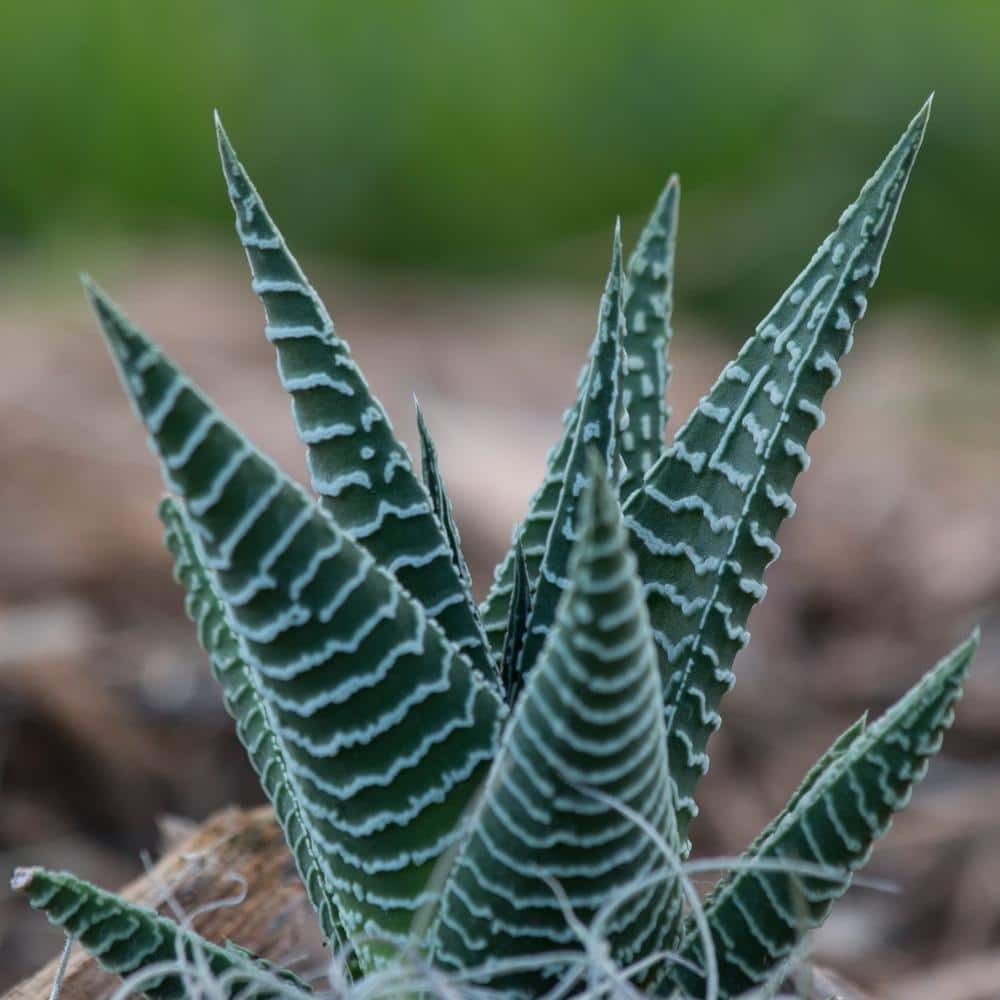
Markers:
(231, 849)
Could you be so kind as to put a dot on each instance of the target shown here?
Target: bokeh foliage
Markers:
(497, 137)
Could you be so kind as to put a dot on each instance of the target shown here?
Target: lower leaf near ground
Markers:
(758, 914)
(128, 939)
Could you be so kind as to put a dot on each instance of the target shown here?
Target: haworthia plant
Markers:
(506, 792)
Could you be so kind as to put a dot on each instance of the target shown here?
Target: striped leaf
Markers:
(126, 938)
(648, 299)
(360, 470)
(704, 521)
(441, 503)
(388, 730)
(837, 749)
(598, 432)
(255, 723)
(518, 618)
(589, 720)
(648, 305)
(757, 916)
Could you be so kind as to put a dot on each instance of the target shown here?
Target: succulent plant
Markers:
(505, 791)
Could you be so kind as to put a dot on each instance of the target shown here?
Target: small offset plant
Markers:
(496, 800)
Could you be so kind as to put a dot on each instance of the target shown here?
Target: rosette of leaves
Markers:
(494, 788)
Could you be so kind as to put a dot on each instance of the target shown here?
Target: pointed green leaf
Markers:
(255, 723)
(360, 470)
(648, 305)
(126, 938)
(598, 432)
(588, 719)
(533, 532)
(837, 749)
(388, 729)
(517, 629)
(757, 916)
(648, 298)
(704, 521)
(441, 503)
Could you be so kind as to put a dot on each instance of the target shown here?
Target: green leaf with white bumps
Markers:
(360, 470)
(126, 938)
(648, 305)
(388, 729)
(598, 433)
(704, 521)
(589, 719)
(255, 724)
(757, 915)
(837, 749)
(648, 298)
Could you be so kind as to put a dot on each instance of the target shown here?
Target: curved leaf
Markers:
(388, 729)
(126, 938)
(598, 433)
(255, 723)
(360, 470)
(757, 916)
(704, 521)
(588, 719)
(648, 298)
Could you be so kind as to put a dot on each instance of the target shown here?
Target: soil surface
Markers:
(108, 716)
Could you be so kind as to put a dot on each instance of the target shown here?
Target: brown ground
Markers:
(108, 717)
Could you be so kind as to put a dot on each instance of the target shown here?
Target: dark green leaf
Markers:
(704, 521)
(360, 470)
(126, 938)
(648, 297)
(756, 916)
(588, 722)
(388, 730)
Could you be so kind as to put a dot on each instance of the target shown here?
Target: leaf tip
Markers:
(230, 162)
(598, 505)
(96, 296)
(920, 119)
(913, 137)
(121, 338)
(968, 648)
(22, 878)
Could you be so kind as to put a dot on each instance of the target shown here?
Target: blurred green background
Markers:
(502, 138)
